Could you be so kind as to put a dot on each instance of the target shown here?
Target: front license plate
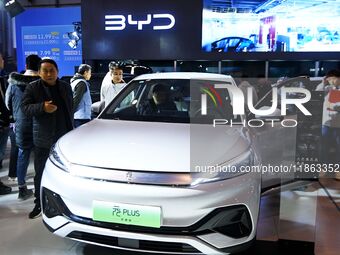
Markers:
(139, 215)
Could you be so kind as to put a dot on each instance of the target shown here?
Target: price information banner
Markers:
(52, 42)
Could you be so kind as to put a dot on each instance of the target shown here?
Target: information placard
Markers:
(52, 42)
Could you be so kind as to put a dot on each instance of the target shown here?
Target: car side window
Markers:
(129, 100)
(163, 98)
(125, 102)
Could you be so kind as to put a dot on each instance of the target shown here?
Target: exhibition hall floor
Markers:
(305, 220)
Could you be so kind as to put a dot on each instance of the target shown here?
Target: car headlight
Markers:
(58, 159)
(230, 169)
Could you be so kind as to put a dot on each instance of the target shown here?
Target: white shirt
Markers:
(108, 91)
(106, 82)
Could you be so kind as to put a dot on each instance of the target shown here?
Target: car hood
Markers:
(150, 146)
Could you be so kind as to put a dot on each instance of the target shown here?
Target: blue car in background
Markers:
(233, 44)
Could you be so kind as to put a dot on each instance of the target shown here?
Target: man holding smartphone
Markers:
(49, 102)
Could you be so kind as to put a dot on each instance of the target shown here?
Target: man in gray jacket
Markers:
(81, 95)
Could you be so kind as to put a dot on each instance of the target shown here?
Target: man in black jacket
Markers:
(49, 102)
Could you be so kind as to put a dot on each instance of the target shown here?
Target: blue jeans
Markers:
(22, 165)
(330, 139)
(12, 168)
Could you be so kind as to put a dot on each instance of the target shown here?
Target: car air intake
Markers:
(235, 223)
(52, 204)
(155, 246)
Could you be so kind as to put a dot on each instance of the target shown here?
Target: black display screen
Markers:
(147, 29)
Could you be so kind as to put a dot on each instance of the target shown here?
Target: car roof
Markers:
(184, 75)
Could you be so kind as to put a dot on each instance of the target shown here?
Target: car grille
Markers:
(141, 245)
(129, 176)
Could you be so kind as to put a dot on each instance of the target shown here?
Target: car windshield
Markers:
(171, 100)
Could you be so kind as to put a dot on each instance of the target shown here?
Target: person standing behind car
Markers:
(81, 95)
(4, 124)
(4, 132)
(331, 118)
(4, 129)
(23, 124)
(109, 90)
(12, 173)
(2, 65)
(49, 102)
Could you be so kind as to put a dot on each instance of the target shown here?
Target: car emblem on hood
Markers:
(129, 176)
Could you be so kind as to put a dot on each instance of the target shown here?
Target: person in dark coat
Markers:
(49, 101)
(23, 124)
(12, 168)
(4, 123)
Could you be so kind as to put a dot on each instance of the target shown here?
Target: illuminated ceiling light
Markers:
(73, 44)
(13, 7)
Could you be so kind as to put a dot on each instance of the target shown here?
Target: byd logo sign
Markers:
(118, 22)
(237, 100)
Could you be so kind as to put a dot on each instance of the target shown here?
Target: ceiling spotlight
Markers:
(13, 7)
(74, 36)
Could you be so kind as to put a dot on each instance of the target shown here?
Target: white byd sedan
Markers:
(153, 174)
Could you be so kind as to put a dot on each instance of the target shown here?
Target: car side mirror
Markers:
(97, 107)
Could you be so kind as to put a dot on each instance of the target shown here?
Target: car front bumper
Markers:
(210, 218)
